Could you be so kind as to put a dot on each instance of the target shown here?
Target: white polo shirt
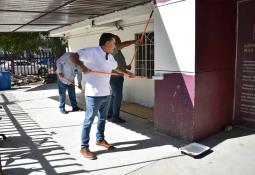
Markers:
(94, 59)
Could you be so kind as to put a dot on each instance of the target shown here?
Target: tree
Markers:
(32, 42)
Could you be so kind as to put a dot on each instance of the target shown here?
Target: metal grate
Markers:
(144, 65)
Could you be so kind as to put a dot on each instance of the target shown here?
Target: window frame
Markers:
(143, 65)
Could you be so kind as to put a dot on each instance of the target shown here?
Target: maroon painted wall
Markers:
(215, 65)
(215, 35)
(213, 102)
(174, 107)
(245, 75)
(193, 107)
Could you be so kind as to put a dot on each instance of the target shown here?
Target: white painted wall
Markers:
(139, 91)
(175, 37)
(174, 30)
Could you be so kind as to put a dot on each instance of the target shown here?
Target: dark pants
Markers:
(62, 94)
(116, 98)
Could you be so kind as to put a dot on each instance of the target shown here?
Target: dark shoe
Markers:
(63, 111)
(118, 120)
(76, 109)
(87, 154)
(109, 116)
(104, 143)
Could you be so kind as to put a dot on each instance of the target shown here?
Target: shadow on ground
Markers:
(43, 87)
(28, 148)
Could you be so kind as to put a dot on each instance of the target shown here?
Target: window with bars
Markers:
(144, 65)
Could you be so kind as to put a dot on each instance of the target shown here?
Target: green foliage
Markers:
(32, 42)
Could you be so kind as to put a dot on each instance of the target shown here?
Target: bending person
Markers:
(97, 89)
(66, 72)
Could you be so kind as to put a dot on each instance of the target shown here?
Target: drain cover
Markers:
(194, 149)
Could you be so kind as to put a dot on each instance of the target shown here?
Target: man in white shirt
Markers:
(66, 72)
(97, 88)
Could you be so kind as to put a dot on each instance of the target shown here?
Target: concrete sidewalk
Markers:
(43, 141)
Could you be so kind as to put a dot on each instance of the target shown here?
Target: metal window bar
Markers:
(150, 72)
(144, 57)
(136, 63)
(137, 68)
(144, 64)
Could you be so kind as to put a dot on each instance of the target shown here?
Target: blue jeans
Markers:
(117, 87)
(62, 94)
(95, 106)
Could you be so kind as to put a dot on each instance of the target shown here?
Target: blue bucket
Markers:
(5, 80)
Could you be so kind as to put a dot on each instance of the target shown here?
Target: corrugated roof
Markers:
(46, 15)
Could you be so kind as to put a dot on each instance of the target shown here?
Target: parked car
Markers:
(1, 61)
(24, 67)
(1, 54)
(44, 61)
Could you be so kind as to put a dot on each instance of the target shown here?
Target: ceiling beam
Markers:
(31, 11)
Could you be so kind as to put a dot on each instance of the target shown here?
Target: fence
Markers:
(40, 64)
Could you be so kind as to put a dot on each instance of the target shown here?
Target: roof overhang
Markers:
(47, 15)
(112, 20)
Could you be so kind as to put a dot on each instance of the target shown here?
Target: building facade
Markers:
(194, 54)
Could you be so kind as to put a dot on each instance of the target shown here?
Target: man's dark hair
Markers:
(105, 37)
(117, 39)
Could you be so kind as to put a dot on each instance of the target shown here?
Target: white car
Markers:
(23, 67)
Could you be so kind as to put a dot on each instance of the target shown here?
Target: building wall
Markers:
(139, 91)
(174, 109)
(175, 57)
(175, 35)
(194, 54)
(196, 99)
(245, 65)
(215, 65)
